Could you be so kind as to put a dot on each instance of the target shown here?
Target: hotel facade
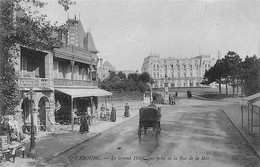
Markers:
(173, 72)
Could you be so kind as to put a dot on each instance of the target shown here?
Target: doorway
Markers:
(43, 103)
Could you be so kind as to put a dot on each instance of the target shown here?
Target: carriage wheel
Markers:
(157, 130)
(139, 131)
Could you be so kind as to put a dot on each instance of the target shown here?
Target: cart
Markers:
(149, 118)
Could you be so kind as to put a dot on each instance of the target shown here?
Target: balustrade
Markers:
(34, 83)
(68, 82)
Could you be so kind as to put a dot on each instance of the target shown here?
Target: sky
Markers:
(126, 31)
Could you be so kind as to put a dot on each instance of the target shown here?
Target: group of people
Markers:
(84, 127)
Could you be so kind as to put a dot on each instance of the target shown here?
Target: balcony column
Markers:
(96, 75)
(72, 62)
(91, 67)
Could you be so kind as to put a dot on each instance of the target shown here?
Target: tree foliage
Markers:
(232, 70)
(215, 74)
(119, 82)
(232, 63)
(250, 74)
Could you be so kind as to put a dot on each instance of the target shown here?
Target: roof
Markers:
(75, 92)
(107, 65)
(201, 56)
(250, 99)
(257, 103)
(89, 43)
(254, 96)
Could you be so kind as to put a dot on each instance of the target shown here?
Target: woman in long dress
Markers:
(127, 113)
(103, 113)
(84, 124)
(113, 114)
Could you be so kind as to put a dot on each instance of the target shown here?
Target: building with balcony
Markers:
(185, 72)
(64, 81)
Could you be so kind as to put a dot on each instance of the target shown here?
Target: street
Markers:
(194, 133)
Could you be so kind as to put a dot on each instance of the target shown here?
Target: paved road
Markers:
(194, 133)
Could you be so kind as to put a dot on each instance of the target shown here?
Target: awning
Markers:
(83, 92)
(257, 103)
(250, 99)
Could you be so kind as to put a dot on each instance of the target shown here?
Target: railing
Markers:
(45, 83)
(70, 52)
(68, 82)
(34, 83)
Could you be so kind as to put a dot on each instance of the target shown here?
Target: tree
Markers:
(144, 77)
(66, 3)
(121, 75)
(119, 82)
(112, 75)
(215, 74)
(251, 75)
(232, 64)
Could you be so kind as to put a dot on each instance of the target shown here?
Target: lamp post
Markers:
(31, 95)
(166, 89)
(151, 92)
(166, 85)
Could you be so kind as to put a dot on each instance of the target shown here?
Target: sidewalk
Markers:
(233, 112)
(49, 145)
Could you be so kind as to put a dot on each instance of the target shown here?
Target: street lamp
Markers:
(151, 92)
(166, 85)
(31, 96)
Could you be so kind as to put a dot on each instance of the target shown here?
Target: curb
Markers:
(201, 98)
(77, 144)
(241, 133)
(71, 147)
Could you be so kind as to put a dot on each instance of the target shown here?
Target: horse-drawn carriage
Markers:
(149, 118)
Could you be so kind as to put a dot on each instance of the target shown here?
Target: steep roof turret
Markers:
(89, 43)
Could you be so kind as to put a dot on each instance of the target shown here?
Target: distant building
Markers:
(186, 72)
(104, 69)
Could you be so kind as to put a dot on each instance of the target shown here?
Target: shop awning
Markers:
(76, 92)
(257, 104)
(250, 99)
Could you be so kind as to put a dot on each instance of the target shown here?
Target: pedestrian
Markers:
(189, 94)
(170, 99)
(113, 114)
(127, 113)
(84, 124)
(160, 115)
(176, 94)
(103, 113)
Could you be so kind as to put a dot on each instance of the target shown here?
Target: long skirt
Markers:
(127, 113)
(84, 127)
(113, 116)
